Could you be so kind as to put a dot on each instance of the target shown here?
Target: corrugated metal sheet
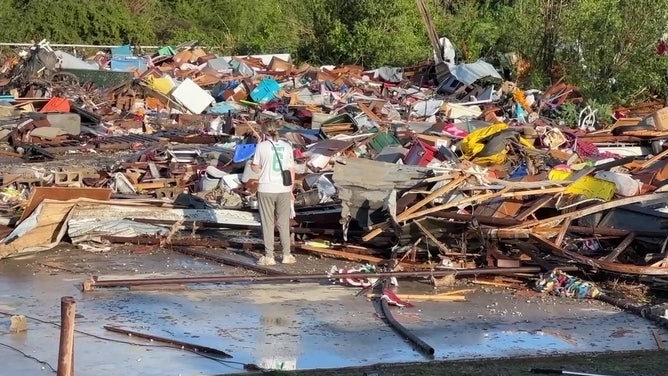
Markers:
(368, 189)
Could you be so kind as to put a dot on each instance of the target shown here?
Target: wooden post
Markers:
(66, 350)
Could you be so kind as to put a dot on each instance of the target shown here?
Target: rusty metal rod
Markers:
(396, 325)
(96, 282)
(169, 341)
(66, 348)
(631, 307)
(227, 261)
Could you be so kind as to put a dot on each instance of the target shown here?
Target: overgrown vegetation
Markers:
(607, 47)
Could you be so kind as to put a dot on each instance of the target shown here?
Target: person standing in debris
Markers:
(273, 157)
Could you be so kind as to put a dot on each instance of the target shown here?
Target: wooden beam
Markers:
(431, 30)
(444, 249)
(562, 231)
(542, 201)
(426, 297)
(601, 264)
(480, 198)
(621, 247)
(651, 161)
(369, 113)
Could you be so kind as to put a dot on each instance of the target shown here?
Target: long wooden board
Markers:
(39, 194)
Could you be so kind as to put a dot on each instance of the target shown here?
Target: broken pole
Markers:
(172, 342)
(630, 307)
(66, 349)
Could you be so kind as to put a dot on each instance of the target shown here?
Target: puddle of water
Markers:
(504, 343)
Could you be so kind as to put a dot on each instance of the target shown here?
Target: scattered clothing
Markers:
(561, 284)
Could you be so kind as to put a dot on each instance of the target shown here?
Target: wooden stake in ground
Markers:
(66, 350)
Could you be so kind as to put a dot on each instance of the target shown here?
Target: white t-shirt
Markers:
(271, 180)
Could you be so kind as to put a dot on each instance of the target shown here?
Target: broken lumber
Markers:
(426, 297)
(653, 197)
(341, 254)
(431, 197)
(600, 264)
(621, 247)
(481, 198)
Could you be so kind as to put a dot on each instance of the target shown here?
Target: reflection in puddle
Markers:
(507, 342)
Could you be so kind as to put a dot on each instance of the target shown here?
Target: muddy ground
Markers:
(324, 327)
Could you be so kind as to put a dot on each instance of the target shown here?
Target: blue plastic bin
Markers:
(128, 64)
(121, 51)
(243, 152)
(265, 91)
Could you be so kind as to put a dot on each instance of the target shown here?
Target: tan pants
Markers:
(275, 211)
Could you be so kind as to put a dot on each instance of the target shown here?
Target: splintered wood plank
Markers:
(341, 254)
(481, 198)
(431, 236)
(369, 113)
(562, 231)
(651, 161)
(621, 247)
(542, 201)
(595, 209)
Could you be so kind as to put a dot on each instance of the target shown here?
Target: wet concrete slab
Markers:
(303, 326)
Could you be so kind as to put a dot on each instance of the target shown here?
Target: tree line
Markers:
(607, 47)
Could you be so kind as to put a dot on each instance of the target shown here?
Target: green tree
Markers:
(371, 32)
(609, 47)
(90, 21)
(472, 26)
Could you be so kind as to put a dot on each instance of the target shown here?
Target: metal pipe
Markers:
(228, 261)
(419, 343)
(66, 348)
(88, 285)
(169, 341)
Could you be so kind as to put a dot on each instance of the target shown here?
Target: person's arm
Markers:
(255, 165)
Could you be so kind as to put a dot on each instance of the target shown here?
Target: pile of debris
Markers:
(438, 165)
